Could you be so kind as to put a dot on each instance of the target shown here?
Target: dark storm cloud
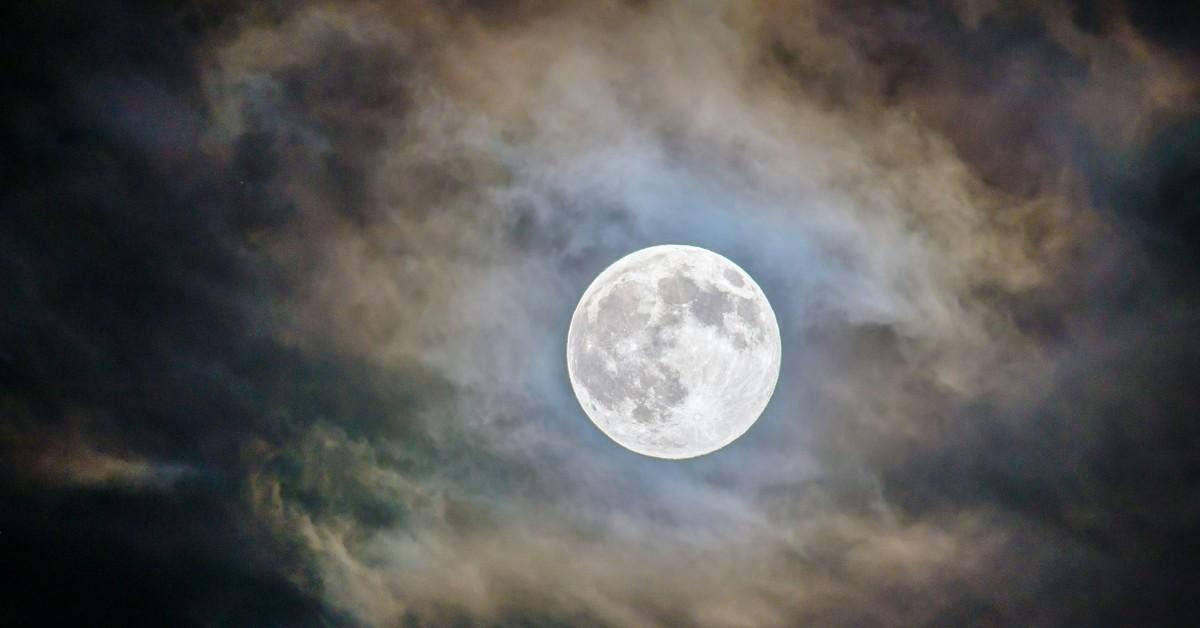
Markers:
(285, 291)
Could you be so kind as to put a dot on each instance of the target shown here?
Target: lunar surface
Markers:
(673, 351)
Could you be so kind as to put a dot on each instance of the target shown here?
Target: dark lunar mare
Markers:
(623, 321)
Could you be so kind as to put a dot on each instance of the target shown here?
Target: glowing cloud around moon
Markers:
(673, 351)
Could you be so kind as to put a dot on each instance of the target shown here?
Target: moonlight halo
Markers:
(673, 351)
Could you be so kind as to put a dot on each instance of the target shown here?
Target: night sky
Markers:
(284, 292)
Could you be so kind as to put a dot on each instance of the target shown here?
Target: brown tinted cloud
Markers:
(302, 279)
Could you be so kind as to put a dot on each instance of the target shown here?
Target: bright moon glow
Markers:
(673, 351)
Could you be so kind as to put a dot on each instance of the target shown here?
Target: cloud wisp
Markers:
(311, 276)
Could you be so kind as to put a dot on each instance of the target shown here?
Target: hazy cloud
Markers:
(305, 272)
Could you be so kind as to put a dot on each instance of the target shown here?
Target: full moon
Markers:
(673, 351)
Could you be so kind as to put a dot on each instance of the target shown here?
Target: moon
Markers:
(673, 351)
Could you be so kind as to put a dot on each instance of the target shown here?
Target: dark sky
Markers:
(284, 289)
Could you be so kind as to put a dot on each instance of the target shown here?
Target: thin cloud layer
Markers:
(305, 273)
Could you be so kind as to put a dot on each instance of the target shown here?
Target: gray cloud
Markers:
(986, 357)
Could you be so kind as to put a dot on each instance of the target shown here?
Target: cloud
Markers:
(308, 274)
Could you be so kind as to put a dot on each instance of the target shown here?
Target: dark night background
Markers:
(284, 288)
